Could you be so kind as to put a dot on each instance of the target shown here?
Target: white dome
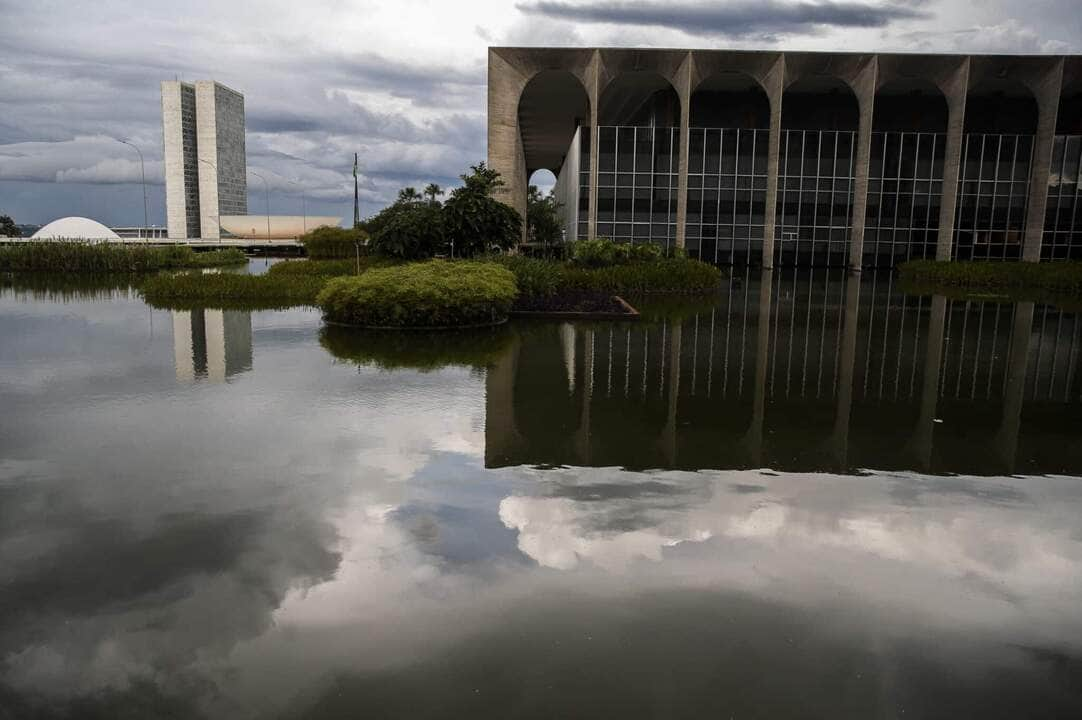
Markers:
(75, 228)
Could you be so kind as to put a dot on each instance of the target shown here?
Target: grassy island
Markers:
(1009, 277)
(436, 293)
(69, 257)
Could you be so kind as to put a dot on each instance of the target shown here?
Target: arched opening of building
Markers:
(993, 181)
(541, 185)
(554, 118)
(905, 176)
(638, 156)
(1063, 224)
(728, 140)
(816, 170)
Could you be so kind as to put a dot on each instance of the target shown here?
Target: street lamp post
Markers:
(304, 205)
(143, 172)
(266, 189)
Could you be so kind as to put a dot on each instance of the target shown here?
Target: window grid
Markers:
(584, 183)
(727, 170)
(993, 194)
(1062, 227)
(905, 187)
(815, 196)
(637, 183)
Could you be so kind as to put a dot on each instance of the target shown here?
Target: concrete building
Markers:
(798, 158)
(205, 165)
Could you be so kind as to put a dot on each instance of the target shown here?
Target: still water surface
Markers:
(805, 498)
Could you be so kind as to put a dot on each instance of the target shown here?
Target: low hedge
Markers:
(70, 256)
(664, 275)
(231, 291)
(328, 243)
(469, 347)
(1063, 277)
(436, 293)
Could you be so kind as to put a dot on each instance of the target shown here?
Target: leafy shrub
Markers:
(474, 221)
(410, 229)
(1056, 276)
(602, 252)
(62, 256)
(437, 293)
(666, 275)
(229, 290)
(326, 242)
(466, 347)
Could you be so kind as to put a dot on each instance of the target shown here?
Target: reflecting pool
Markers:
(809, 496)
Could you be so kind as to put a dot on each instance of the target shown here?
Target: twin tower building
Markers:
(205, 165)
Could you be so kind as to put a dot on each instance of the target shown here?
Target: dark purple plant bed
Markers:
(574, 305)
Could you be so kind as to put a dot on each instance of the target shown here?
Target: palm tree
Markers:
(432, 191)
(409, 194)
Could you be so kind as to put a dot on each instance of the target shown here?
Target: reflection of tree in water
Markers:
(422, 350)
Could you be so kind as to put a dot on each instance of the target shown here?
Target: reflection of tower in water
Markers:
(211, 344)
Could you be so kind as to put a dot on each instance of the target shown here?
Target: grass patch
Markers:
(111, 258)
(327, 268)
(230, 291)
(1060, 277)
(473, 347)
(436, 293)
(537, 277)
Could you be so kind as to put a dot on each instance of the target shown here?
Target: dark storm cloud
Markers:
(767, 17)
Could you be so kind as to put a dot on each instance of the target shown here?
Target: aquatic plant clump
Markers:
(325, 243)
(59, 256)
(1057, 276)
(537, 277)
(328, 268)
(437, 293)
(470, 347)
(227, 290)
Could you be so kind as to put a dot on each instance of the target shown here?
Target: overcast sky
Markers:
(402, 83)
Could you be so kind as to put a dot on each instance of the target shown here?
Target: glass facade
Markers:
(1063, 224)
(905, 185)
(815, 197)
(637, 183)
(726, 194)
(727, 175)
(993, 192)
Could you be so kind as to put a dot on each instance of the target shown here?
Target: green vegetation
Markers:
(328, 268)
(664, 275)
(471, 222)
(1058, 277)
(602, 252)
(436, 293)
(326, 243)
(470, 347)
(232, 291)
(58, 256)
(542, 218)
(8, 228)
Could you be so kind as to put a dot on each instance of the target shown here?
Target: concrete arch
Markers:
(639, 97)
(1001, 105)
(910, 104)
(552, 105)
(729, 99)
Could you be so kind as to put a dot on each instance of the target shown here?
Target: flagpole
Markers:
(356, 206)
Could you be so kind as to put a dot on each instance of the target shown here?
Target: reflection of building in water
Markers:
(212, 344)
(806, 371)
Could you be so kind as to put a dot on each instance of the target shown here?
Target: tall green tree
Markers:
(474, 222)
(7, 227)
(432, 191)
(409, 194)
(542, 217)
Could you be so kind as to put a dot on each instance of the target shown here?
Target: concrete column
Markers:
(864, 87)
(683, 91)
(775, 89)
(846, 364)
(1048, 94)
(505, 152)
(501, 434)
(955, 94)
(593, 90)
(1006, 439)
(669, 432)
(753, 438)
(922, 442)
